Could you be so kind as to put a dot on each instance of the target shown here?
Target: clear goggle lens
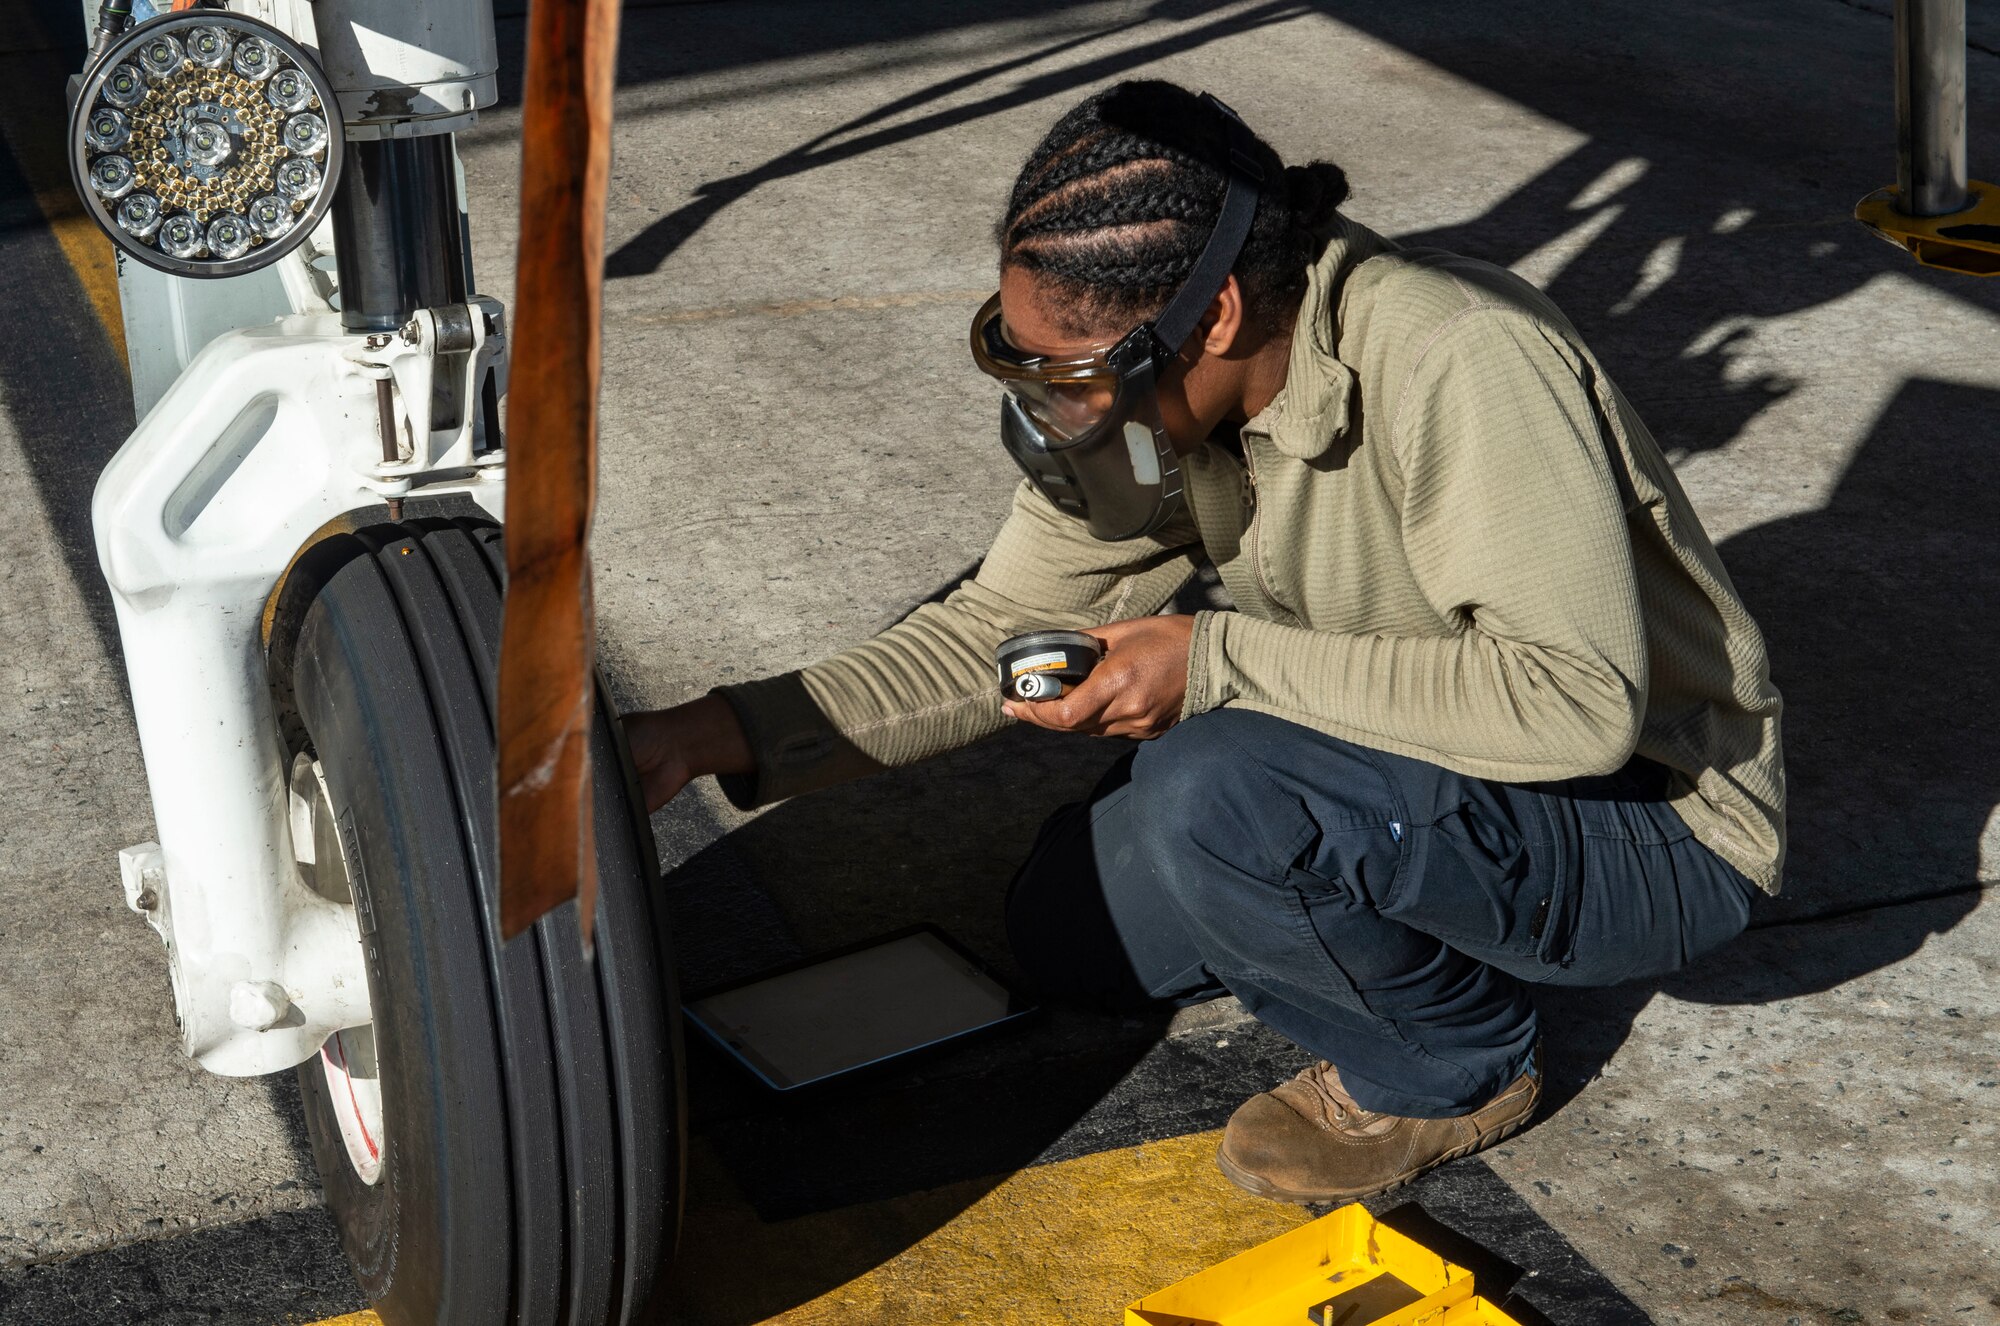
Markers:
(1068, 408)
(289, 90)
(208, 47)
(162, 58)
(112, 176)
(139, 215)
(305, 134)
(1061, 400)
(124, 86)
(108, 129)
(254, 59)
(296, 178)
(270, 216)
(181, 236)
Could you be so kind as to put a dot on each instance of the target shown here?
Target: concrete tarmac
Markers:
(797, 449)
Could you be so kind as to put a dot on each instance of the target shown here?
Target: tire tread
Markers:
(586, 1054)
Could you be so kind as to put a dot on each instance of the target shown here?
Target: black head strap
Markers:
(1239, 208)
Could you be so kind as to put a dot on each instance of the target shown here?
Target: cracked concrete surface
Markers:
(796, 450)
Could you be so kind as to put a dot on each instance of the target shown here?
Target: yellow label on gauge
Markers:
(1040, 662)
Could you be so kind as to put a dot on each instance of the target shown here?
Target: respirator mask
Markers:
(1086, 429)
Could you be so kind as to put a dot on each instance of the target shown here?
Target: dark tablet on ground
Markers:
(856, 1008)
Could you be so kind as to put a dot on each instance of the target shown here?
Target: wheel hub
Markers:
(354, 1084)
(353, 1072)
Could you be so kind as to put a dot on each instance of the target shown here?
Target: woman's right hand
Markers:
(673, 747)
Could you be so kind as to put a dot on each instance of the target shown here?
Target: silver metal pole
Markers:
(1930, 106)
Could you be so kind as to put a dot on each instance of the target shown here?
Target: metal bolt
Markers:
(258, 1005)
(148, 900)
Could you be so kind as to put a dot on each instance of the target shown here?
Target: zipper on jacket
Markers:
(1256, 554)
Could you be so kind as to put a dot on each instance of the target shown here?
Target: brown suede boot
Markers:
(1307, 1141)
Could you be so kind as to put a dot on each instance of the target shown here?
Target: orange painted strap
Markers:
(548, 634)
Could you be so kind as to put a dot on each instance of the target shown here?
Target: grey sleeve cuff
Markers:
(795, 747)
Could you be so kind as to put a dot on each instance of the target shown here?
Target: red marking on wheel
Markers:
(347, 1080)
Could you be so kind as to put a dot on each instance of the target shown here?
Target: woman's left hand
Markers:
(1135, 691)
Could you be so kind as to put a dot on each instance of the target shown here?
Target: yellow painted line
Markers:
(93, 260)
(1073, 1241)
(34, 123)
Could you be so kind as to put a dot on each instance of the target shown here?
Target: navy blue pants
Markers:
(1384, 913)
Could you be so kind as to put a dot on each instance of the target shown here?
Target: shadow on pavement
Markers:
(644, 253)
(1878, 610)
(62, 384)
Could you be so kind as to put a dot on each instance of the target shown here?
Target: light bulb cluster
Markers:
(204, 140)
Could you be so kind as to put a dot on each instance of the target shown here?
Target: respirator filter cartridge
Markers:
(1043, 665)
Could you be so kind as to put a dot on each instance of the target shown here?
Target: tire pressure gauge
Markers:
(1043, 665)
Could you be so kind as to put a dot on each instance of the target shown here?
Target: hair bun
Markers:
(1314, 192)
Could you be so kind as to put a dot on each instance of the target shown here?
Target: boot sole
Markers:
(1261, 1187)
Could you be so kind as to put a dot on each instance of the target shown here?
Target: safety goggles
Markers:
(1066, 397)
(1086, 429)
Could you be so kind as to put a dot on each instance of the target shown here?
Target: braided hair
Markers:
(1115, 205)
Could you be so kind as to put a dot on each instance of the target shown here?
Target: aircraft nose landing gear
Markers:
(503, 1143)
(497, 1125)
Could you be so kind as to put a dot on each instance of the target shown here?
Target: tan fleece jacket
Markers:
(1453, 539)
